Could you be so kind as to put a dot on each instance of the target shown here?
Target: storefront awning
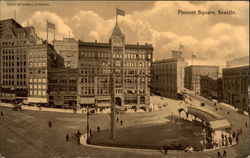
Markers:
(103, 104)
(87, 100)
(37, 100)
(103, 98)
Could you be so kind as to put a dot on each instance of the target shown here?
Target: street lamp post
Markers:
(87, 122)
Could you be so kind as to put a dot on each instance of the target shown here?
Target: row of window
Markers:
(19, 63)
(37, 80)
(37, 86)
(35, 64)
(11, 51)
(15, 43)
(38, 92)
(37, 58)
(11, 82)
(115, 55)
(62, 81)
(37, 71)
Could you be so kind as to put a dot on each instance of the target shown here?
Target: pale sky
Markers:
(213, 38)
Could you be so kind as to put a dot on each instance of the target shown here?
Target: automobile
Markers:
(17, 107)
(66, 106)
(25, 102)
(121, 110)
(202, 104)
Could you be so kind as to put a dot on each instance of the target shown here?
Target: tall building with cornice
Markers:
(68, 49)
(132, 65)
(14, 42)
(168, 76)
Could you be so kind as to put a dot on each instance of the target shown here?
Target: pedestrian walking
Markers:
(246, 124)
(224, 154)
(233, 134)
(117, 120)
(50, 124)
(90, 132)
(98, 129)
(218, 154)
(78, 140)
(121, 122)
(237, 138)
(230, 140)
(165, 149)
(67, 137)
(1, 113)
(228, 112)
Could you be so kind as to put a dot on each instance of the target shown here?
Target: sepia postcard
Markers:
(124, 79)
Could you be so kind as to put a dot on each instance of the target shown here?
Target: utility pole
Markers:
(112, 93)
(87, 122)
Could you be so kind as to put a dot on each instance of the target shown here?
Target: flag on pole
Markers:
(181, 47)
(51, 25)
(120, 12)
(193, 55)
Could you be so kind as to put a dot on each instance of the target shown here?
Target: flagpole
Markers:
(116, 16)
(192, 58)
(47, 33)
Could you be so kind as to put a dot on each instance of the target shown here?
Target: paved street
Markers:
(27, 133)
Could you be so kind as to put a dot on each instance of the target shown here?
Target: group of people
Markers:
(117, 121)
(219, 155)
(180, 148)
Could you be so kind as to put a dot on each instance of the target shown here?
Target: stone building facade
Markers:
(14, 42)
(62, 87)
(193, 73)
(131, 65)
(168, 76)
(211, 87)
(42, 58)
(235, 86)
(68, 49)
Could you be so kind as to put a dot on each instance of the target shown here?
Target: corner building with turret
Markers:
(131, 68)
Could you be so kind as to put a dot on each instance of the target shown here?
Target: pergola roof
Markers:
(220, 124)
(204, 114)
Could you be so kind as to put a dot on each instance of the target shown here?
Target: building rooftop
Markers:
(235, 68)
(202, 66)
(108, 45)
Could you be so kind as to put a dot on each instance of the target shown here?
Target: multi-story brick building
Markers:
(68, 49)
(132, 64)
(211, 87)
(235, 86)
(193, 73)
(168, 76)
(62, 87)
(238, 62)
(14, 42)
(42, 58)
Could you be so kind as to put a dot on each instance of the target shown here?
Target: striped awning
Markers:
(37, 100)
(87, 100)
